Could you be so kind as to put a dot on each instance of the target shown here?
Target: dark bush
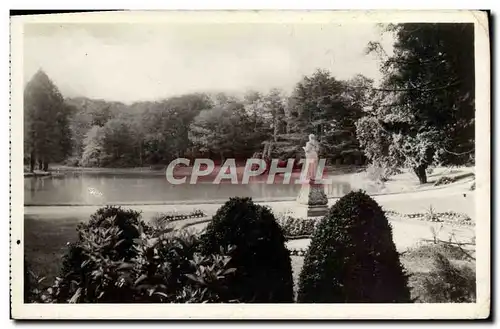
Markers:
(352, 257)
(449, 283)
(261, 259)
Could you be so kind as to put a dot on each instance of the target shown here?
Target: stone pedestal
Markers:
(311, 201)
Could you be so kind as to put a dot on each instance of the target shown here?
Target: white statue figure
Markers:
(311, 149)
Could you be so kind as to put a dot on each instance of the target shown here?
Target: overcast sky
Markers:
(125, 62)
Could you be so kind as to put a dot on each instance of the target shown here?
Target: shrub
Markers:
(352, 257)
(112, 230)
(294, 227)
(126, 220)
(208, 280)
(167, 267)
(429, 251)
(449, 283)
(262, 262)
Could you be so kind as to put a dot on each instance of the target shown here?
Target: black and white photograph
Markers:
(330, 165)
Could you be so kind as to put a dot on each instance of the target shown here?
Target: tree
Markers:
(166, 126)
(427, 96)
(226, 130)
(46, 128)
(93, 147)
(120, 143)
(328, 108)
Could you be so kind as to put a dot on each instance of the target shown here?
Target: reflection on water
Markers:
(99, 188)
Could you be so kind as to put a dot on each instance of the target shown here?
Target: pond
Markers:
(91, 188)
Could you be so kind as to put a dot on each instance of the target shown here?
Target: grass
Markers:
(45, 243)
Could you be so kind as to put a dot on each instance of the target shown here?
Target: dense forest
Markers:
(422, 114)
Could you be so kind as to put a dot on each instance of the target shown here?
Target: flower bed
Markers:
(449, 217)
(297, 228)
(175, 216)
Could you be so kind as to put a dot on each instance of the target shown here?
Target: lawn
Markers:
(45, 243)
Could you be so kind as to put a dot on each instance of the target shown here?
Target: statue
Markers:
(312, 199)
(311, 149)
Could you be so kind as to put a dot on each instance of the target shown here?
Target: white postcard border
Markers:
(480, 309)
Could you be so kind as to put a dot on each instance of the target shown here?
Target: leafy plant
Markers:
(262, 261)
(352, 257)
(208, 282)
(167, 267)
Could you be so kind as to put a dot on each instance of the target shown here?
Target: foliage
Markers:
(208, 281)
(31, 284)
(46, 127)
(110, 229)
(122, 142)
(262, 262)
(294, 227)
(352, 257)
(449, 283)
(425, 106)
(381, 171)
(93, 147)
(166, 126)
(329, 108)
(165, 266)
(226, 130)
(430, 250)
(112, 134)
(126, 220)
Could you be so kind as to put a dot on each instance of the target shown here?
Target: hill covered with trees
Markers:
(422, 114)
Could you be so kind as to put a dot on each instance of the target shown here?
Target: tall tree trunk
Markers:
(45, 166)
(420, 171)
(40, 164)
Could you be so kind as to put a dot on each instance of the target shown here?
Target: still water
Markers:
(148, 188)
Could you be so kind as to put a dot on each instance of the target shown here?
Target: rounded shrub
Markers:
(126, 220)
(352, 257)
(261, 259)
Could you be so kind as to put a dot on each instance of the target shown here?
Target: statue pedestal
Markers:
(311, 201)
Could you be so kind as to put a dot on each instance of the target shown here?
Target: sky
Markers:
(135, 62)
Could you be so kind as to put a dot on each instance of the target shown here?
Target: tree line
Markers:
(422, 114)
